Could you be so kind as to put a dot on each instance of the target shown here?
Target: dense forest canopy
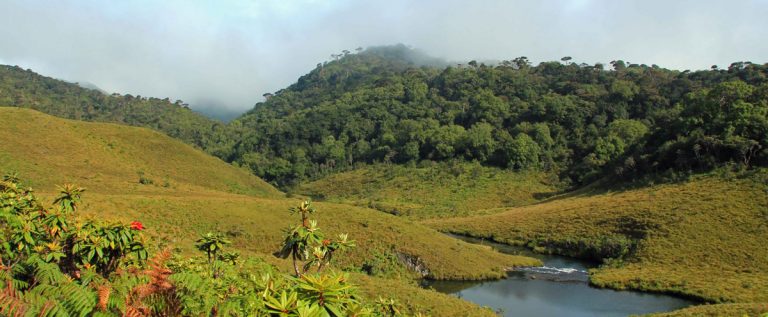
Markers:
(395, 104)
(581, 121)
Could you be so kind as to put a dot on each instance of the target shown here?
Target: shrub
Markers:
(52, 264)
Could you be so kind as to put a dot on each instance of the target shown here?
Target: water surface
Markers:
(560, 288)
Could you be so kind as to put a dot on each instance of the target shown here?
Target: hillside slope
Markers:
(581, 121)
(704, 238)
(433, 191)
(191, 192)
(27, 89)
(112, 158)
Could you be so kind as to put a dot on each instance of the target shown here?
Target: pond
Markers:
(559, 288)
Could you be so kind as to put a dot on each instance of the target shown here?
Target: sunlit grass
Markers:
(112, 158)
(718, 310)
(705, 238)
(432, 191)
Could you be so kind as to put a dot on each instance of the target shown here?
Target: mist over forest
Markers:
(222, 57)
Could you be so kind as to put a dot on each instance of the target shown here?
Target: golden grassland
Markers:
(432, 191)
(191, 193)
(415, 298)
(112, 158)
(720, 310)
(704, 238)
(256, 225)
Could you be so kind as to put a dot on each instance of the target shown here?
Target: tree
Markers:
(523, 152)
(486, 107)
(478, 142)
(445, 140)
(522, 62)
(306, 243)
(212, 243)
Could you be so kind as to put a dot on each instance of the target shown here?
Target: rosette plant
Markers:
(306, 243)
(212, 244)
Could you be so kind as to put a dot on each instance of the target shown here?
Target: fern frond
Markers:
(159, 295)
(49, 273)
(11, 303)
(79, 300)
(103, 293)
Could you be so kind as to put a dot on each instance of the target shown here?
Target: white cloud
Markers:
(225, 55)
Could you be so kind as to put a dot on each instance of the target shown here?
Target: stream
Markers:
(559, 288)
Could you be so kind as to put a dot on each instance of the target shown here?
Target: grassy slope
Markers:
(109, 157)
(442, 190)
(704, 238)
(719, 310)
(415, 299)
(106, 158)
(256, 225)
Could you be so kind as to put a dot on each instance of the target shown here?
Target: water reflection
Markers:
(560, 289)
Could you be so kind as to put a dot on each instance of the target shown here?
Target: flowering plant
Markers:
(136, 225)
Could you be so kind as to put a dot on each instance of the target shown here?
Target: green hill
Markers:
(702, 238)
(395, 105)
(112, 158)
(582, 122)
(27, 89)
(436, 190)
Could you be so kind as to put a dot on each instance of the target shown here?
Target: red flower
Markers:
(326, 242)
(137, 226)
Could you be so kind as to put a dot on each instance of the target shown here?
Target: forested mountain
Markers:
(27, 89)
(394, 104)
(581, 121)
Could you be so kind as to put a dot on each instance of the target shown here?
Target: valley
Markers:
(645, 186)
(204, 194)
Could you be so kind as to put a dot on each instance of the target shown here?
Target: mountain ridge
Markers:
(582, 122)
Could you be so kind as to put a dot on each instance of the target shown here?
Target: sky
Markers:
(221, 56)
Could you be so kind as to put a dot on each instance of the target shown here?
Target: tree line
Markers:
(580, 121)
(395, 105)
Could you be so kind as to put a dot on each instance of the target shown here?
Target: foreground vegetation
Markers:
(702, 238)
(54, 264)
(432, 190)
